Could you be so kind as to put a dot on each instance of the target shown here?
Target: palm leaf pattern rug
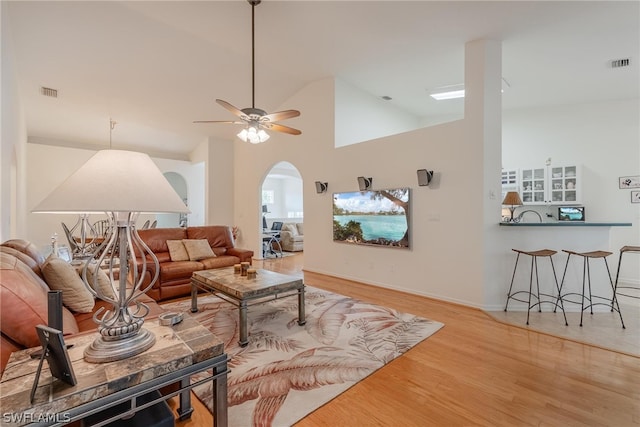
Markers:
(287, 371)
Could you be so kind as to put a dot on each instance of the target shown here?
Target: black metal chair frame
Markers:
(623, 250)
(586, 283)
(537, 295)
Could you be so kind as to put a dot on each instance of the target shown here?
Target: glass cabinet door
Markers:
(509, 181)
(533, 185)
(564, 184)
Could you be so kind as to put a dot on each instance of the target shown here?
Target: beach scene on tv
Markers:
(379, 217)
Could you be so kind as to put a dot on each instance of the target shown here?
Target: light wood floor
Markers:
(475, 372)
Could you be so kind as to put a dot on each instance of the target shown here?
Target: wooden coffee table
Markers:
(240, 290)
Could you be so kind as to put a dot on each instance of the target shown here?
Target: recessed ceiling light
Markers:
(448, 92)
(457, 91)
(452, 94)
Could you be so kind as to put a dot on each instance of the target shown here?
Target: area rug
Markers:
(287, 371)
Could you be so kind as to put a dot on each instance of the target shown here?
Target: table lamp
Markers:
(512, 198)
(121, 184)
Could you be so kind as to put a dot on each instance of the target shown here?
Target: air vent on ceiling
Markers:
(47, 91)
(618, 63)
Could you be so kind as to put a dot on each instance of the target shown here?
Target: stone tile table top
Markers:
(176, 347)
(242, 288)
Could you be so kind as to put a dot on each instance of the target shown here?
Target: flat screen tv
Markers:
(373, 217)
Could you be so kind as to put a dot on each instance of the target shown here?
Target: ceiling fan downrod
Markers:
(253, 4)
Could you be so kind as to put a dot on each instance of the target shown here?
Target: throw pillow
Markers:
(103, 283)
(198, 249)
(292, 229)
(300, 228)
(61, 275)
(177, 251)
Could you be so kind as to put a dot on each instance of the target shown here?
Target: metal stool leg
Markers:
(553, 268)
(511, 286)
(584, 270)
(613, 288)
(562, 284)
(531, 288)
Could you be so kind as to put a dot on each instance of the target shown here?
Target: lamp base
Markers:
(103, 350)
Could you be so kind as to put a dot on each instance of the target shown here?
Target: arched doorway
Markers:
(169, 220)
(282, 197)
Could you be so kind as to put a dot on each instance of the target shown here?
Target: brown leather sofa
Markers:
(174, 279)
(23, 301)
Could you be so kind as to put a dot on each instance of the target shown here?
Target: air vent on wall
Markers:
(617, 63)
(47, 91)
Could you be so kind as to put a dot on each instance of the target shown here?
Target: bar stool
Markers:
(534, 265)
(586, 273)
(623, 250)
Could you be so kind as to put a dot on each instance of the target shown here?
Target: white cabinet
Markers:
(554, 184)
(510, 181)
(533, 186)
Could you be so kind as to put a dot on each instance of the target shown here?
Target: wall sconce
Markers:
(364, 183)
(321, 187)
(424, 177)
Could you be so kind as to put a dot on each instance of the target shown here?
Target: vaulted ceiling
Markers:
(154, 67)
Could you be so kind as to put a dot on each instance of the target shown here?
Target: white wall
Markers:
(360, 116)
(448, 234)
(49, 166)
(194, 175)
(220, 190)
(13, 141)
(605, 139)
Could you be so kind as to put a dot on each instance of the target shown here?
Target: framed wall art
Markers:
(629, 182)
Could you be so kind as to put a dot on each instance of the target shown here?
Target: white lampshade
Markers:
(115, 181)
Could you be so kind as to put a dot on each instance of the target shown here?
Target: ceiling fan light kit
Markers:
(256, 121)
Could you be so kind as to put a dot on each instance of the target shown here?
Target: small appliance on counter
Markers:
(571, 213)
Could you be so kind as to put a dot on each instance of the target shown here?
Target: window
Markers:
(267, 197)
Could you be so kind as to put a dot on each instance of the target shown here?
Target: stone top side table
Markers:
(179, 352)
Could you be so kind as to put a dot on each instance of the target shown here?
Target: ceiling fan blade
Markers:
(280, 115)
(218, 121)
(231, 108)
(285, 129)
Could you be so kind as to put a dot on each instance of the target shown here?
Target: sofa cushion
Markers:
(23, 303)
(60, 275)
(7, 346)
(177, 251)
(198, 249)
(219, 262)
(170, 271)
(156, 238)
(219, 236)
(27, 261)
(300, 227)
(29, 253)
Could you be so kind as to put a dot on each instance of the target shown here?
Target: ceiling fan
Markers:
(256, 121)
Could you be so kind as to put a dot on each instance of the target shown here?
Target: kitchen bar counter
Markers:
(566, 224)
